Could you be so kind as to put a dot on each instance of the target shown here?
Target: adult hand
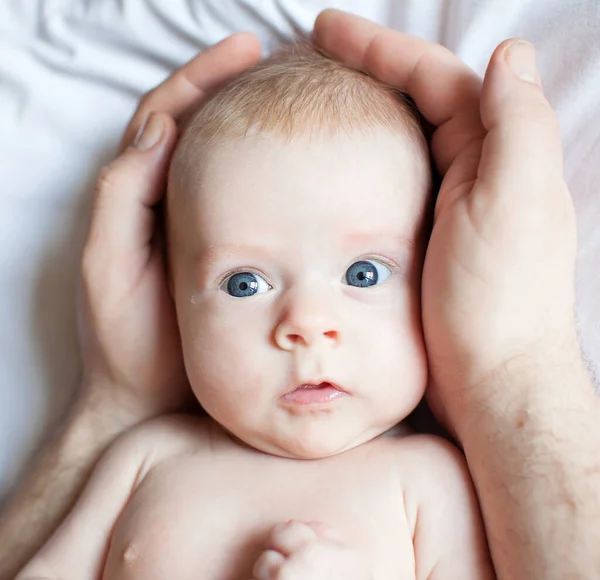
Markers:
(498, 285)
(498, 298)
(129, 337)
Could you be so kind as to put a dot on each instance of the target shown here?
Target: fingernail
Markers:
(149, 133)
(520, 57)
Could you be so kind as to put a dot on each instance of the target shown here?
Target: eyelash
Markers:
(242, 269)
(385, 261)
(382, 259)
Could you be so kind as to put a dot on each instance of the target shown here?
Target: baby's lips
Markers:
(315, 384)
(314, 394)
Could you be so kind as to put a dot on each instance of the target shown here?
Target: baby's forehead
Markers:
(382, 158)
(355, 185)
(299, 96)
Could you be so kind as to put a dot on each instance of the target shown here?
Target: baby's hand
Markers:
(312, 550)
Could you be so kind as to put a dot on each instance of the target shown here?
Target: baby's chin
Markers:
(312, 443)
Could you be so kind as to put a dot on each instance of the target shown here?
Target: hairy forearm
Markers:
(56, 478)
(536, 467)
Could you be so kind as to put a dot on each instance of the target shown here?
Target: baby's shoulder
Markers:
(431, 471)
(166, 437)
(174, 429)
(441, 507)
(424, 446)
(432, 477)
(426, 460)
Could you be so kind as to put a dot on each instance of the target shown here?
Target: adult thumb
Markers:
(123, 218)
(522, 150)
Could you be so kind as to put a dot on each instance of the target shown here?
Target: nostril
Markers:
(294, 339)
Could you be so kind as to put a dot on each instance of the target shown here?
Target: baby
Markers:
(297, 218)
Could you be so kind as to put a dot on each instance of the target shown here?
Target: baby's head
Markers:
(296, 225)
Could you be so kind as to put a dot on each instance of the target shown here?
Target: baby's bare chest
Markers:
(207, 518)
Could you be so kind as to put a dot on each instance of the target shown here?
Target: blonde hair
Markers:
(295, 92)
(300, 91)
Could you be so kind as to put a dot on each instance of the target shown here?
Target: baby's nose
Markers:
(307, 324)
(305, 337)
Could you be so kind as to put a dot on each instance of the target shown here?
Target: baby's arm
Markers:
(448, 534)
(78, 548)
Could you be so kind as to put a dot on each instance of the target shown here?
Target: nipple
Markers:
(130, 555)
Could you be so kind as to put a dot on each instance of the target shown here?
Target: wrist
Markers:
(530, 409)
(535, 386)
(533, 451)
(105, 408)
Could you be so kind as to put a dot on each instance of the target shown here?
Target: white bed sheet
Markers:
(71, 72)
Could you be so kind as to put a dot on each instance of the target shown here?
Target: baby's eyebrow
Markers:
(377, 239)
(209, 255)
(214, 252)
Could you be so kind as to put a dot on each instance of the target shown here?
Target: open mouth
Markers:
(314, 394)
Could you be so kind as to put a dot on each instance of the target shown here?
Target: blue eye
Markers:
(367, 273)
(243, 284)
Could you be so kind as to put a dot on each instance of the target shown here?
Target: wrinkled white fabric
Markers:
(71, 73)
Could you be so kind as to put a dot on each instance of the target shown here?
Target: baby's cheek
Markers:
(225, 361)
(394, 349)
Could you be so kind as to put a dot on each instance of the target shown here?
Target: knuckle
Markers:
(296, 525)
(106, 177)
(115, 175)
(537, 112)
(268, 564)
(291, 527)
(278, 529)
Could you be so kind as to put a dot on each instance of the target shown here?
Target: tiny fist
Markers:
(325, 532)
(268, 565)
(308, 550)
(291, 536)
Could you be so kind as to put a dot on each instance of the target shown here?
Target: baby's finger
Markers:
(268, 565)
(290, 536)
(325, 532)
(522, 149)
(187, 85)
(122, 219)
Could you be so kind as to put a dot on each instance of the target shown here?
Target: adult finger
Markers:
(523, 146)
(201, 75)
(446, 90)
(122, 215)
